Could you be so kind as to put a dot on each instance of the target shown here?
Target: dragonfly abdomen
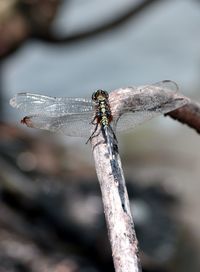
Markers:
(104, 116)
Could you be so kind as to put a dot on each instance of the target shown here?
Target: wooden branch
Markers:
(188, 114)
(116, 207)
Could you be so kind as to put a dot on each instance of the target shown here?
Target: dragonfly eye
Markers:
(94, 96)
(99, 94)
(104, 94)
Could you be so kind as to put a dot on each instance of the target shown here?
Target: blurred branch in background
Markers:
(25, 19)
(111, 24)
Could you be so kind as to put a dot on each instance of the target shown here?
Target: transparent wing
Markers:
(72, 124)
(130, 120)
(166, 85)
(50, 106)
(146, 111)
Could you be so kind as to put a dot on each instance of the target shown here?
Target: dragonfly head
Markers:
(99, 95)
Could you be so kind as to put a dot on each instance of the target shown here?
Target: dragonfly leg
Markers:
(95, 117)
(92, 135)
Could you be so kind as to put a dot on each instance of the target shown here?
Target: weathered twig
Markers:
(110, 174)
(117, 210)
(188, 114)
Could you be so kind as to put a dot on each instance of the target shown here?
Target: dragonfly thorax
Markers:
(103, 113)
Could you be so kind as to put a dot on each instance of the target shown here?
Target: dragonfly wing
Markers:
(52, 106)
(78, 125)
(165, 85)
(130, 120)
(148, 101)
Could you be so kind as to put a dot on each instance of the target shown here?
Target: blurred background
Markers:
(51, 216)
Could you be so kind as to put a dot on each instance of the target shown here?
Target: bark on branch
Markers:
(116, 208)
(188, 114)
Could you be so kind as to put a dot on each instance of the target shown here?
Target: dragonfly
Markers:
(103, 117)
(75, 116)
